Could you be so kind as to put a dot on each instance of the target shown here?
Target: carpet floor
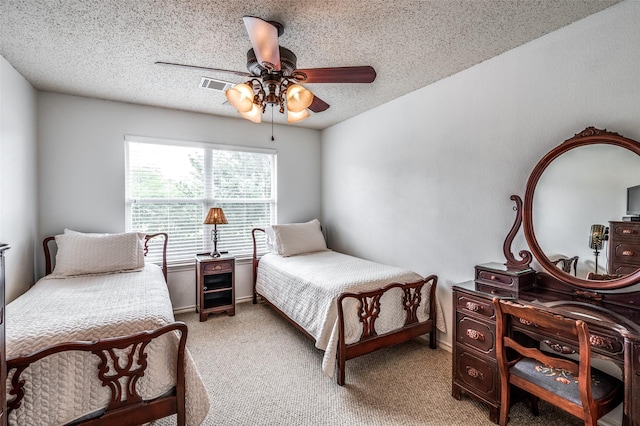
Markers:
(260, 370)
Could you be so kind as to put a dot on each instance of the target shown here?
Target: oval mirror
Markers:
(580, 183)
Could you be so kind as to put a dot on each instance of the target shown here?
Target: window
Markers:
(170, 186)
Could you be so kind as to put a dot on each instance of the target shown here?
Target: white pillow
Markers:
(270, 239)
(298, 238)
(82, 254)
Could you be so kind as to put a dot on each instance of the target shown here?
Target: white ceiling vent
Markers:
(213, 84)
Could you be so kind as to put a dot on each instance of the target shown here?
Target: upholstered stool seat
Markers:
(565, 384)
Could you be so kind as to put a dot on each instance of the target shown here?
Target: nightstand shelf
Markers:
(215, 285)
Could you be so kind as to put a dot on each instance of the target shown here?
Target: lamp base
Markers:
(214, 237)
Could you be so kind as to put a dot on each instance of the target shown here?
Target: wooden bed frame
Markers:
(126, 406)
(369, 310)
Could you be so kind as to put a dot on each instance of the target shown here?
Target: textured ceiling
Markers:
(107, 49)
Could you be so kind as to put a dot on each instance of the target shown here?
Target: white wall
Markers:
(424, 181)
(81, 151)
(18, 178)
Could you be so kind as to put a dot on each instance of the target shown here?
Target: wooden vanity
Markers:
(611, 308)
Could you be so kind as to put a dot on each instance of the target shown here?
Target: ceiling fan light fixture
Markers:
(294, 117)
(254, 114)
(241, 97)
(298, 98)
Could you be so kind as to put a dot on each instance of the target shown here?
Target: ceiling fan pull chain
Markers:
(272, 138)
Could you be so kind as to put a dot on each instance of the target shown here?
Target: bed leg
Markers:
(341, 373)
(433, 342)
(341, 361)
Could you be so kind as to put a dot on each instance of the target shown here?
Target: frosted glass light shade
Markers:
(254, 114)
(241, 97)
(298, 98)
(294, 117)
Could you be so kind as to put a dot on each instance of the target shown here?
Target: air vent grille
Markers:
(213, 84)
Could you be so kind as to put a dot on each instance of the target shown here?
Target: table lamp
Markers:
(215, 217)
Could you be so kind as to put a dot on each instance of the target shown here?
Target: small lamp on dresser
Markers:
(215, 217)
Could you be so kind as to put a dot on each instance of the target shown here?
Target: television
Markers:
(633, 201)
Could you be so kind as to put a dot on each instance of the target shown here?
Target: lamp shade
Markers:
(254, 114)
(298, 98)
(597, 236)
(240, 96)
(215, 217)
(294, 117)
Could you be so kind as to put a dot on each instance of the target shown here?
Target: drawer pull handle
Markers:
(601, 342)
(475, 335)
(492, 277)
(473, 307)
(561, 349)
(627, 253)
(475, 373)
(526, 322)
(627, 231)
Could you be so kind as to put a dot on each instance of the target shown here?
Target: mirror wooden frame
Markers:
(589, 136)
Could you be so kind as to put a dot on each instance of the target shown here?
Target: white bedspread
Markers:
(306, 287)
(61, 389)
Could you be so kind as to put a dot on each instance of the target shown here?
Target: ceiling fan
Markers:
(274, 78)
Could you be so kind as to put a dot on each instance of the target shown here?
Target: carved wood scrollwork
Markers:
(17, 389)
(132, 356)
(590, 295)
(368, 313)
(476, 374)
(411, 301)
(526, 256)
(593, 131)
(602, 342)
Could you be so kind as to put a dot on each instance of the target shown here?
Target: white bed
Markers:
(305, 281)
(58, 309)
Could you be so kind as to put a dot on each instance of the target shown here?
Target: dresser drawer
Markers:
(618, 268)
(625, 231)
(500, 276)
(626, 253)
(474, 305)
(477, 334)
(479, 374)
(218, 267)
(602, 341)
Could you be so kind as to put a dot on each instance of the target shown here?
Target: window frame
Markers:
(208, 200)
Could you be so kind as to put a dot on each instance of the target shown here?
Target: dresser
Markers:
(475, 368)
(624, 247)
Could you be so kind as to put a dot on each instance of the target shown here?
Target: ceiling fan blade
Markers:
(365, 74)
(195, 67)
(264, 40)
(318, 105)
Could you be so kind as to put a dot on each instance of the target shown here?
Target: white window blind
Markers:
(171, 185)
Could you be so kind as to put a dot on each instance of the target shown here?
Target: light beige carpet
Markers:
(260, 370)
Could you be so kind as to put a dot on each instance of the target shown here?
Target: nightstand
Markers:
(215, 285)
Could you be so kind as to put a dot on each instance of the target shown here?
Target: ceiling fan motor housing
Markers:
(288, 62)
